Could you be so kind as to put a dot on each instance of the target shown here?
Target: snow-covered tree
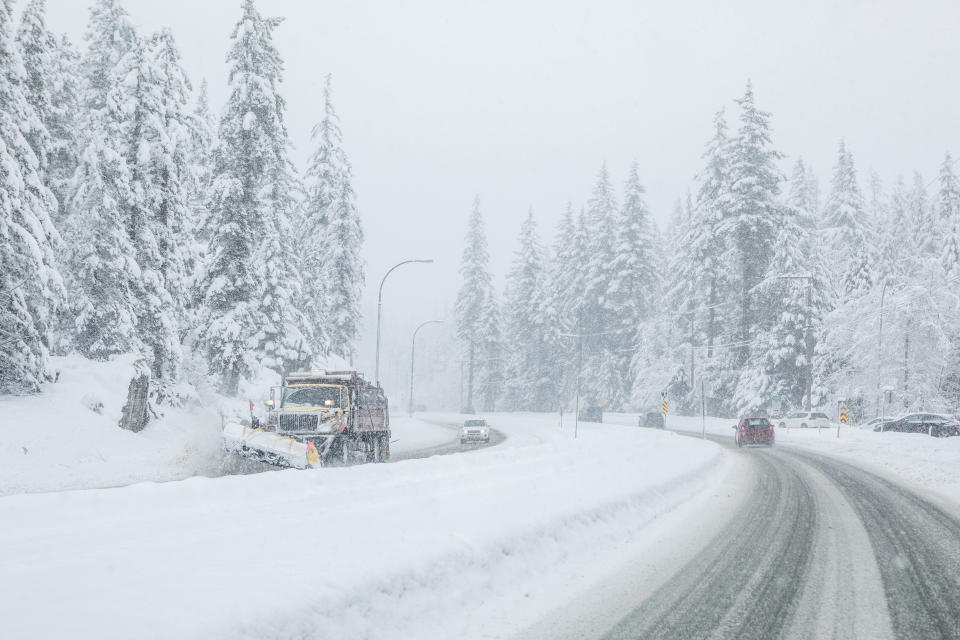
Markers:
(333, 238)
(247, 303)
(525, 302)
(103, 271)
(564, 299)
(847, 234)
(490, 381)
(751, 217)
(474, 294)
(38, 47)
(30, 283)
(635, 289)
(63, 123)
(948, 214)
(927, 229)
(698, 276)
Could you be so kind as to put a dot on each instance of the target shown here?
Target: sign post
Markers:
(664, 407)
(844, 416)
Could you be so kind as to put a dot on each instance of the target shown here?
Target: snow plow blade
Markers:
(266, 446)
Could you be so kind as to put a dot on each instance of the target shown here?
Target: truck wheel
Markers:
(803, 426)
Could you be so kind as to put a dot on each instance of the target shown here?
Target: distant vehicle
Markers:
(755, 431)
(877, 423)
(474, 430)
(652, 419)
(934, 424)
(804, 419)
(591, 413)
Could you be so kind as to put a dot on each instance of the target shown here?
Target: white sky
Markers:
(522, 101)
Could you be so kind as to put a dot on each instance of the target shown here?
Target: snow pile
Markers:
(479, 544)
(68, 437)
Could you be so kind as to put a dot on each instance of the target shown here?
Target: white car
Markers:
(804, 419)
(474, 430)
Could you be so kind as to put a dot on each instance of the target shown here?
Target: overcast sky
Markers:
(521, 102)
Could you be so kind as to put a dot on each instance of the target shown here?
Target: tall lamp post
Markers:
(413, 351)
(809, 334)
(376, 373)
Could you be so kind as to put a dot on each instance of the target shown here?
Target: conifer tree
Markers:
(63, 124)
(491, 361)
(948, 213)
(525, 339)
(752, 216)
(37, 48)
(847, 233)
(331, 250)
(474, 294)
(103, 268)
(635, 286)
(564, 300)
(30, 283)
(247, 283)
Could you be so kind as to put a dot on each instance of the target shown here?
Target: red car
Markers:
(755, 430)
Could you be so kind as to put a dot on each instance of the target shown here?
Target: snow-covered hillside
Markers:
(68, 438)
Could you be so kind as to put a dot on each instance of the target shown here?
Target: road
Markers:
(817, 549)
(795, 545)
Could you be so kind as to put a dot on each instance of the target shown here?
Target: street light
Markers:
(376, 373)
(809, 336)
(413, 347)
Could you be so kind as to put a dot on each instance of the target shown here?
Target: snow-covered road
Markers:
(484, 543)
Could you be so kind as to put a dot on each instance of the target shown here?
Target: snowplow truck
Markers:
(315, 419)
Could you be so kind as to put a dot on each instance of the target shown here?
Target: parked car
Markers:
(591, 413)
(934, 424)
(652, 419)
(474, 430)
(755, 430)
(804, 419)
(877, 423)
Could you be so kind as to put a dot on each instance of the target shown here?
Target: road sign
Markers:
(776, 404)
(665, 407)
(844, 413)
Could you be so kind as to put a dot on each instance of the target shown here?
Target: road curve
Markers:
(447, 448)
(819, 549)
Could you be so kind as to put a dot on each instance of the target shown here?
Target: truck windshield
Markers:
(326, 397)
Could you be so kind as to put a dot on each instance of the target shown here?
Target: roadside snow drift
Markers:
(441, 547)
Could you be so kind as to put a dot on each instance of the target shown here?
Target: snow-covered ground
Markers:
(479, 544)
(929, 464)
(56, 441)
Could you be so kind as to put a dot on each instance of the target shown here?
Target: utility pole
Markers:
(703, 409)
(576, 409)
(883, 292)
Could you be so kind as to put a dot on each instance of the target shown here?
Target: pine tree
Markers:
(63, 124)
(30, 283)
(752, 216)
(635, 287)
(525, 302)
(698, 273)
(103, 269)
(474, 294)
(331, 251)
(926, 224)
(248, 282)
(37, 48)
(948, 213)
(491, 361)
(779, 355)
(847, 233)
(564, 300)
(595, 319)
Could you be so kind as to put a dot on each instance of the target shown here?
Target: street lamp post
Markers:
(376, 373)
(413, 350)
(883, 293)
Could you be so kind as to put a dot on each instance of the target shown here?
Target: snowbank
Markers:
(57, 440)
(468, 545)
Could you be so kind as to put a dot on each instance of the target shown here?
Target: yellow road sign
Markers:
(844, 414)
(666, 407)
